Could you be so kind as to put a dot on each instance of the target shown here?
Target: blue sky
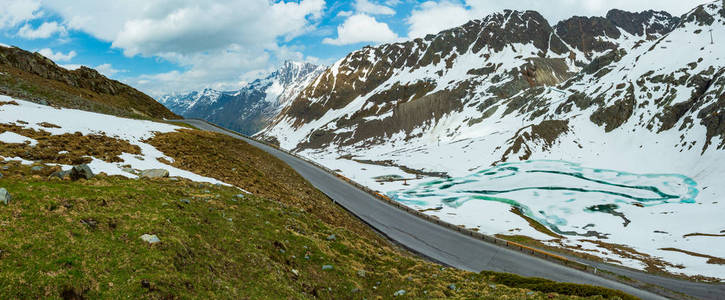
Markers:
(167, 46)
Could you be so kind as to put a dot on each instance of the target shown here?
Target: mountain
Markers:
(251, 108)
(31, 76)
(614, 124)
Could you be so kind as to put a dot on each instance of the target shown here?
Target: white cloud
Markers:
(57, 56)
(434, 16)
(214, 41)
(367, 7)
(71, 67)
(344, 13)
(15, 12)
(361, 28)
(43, 31)
(107, 70)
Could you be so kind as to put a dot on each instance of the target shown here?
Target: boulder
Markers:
(150, 238)
(80, 171)
(5, 196)
(154, 173)
(61, 174)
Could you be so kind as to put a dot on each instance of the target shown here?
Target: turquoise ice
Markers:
(551, 191)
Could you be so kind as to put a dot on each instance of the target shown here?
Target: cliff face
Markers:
(35, 77)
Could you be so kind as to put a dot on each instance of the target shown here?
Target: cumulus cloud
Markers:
(57, 56)
(16, 12)
(367, 7)
(361, 28)
(108, 70)
(43, 31)
(434, 16)
(212, 40)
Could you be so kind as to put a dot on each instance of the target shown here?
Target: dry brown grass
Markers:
(77, 145)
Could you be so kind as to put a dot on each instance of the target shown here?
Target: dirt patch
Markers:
(536, 225)
(48, 125)
(711, 259)
(390, 163)
(703, 234)
(8, 103)
(543, 134)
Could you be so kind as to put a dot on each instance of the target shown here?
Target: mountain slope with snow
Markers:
(251, 108)
(620, 118)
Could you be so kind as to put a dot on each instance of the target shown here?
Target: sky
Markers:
(174, 46)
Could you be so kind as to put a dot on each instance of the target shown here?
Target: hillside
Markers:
(601, 137)
(33, 77)
(227, 221)
(251, 108)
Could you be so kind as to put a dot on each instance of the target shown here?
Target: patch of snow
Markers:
(71, 120)
(14, 138)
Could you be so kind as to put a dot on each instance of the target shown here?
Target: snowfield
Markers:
(71, 121)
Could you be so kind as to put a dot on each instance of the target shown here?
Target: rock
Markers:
(399, 293)
(327, 267)
(80, 171)
(128, 170)
(331, 237)
(239, 196)
(37, 168)
(452, 287)
(5, 196)
(150, 238)
(90, 223)
(154, 173)
(1, 175)
(355, 290)
(361, 273)
(43, 102)
(186, 201)
(295, 272)
(61, 174)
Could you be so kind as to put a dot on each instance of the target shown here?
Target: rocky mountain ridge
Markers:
(250, 108)
(34, 77)
(634, 97)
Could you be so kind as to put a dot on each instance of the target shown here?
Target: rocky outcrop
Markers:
(154, 173)
(592, 35)
(83, 88)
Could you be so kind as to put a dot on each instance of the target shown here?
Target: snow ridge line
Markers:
(465, 231)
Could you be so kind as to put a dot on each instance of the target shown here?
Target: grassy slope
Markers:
(67, 239)
(27, 85)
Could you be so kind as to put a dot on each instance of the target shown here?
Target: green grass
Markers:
(548, 286)
(62, 238)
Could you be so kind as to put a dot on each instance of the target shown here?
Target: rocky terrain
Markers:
(638, 94)
(33, 77)
(251, 108)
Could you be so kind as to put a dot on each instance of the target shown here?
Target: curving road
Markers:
(455, 249)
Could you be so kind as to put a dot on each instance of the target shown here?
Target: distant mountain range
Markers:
(251, 108)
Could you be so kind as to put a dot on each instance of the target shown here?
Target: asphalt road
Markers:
(455, 249)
